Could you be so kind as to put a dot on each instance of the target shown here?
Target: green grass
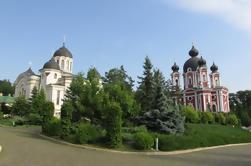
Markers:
(6, 122)
(203, 135)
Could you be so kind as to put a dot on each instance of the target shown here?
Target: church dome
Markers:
(63, 51)
(202, 62)
(193, 52)
(51, 64)
(214, 68)
(175, 67)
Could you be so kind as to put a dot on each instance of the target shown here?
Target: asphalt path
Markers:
(23, 147)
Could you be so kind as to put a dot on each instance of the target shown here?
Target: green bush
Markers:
(220, 118)
(245, 119)
(232, 120)
(34, 119)
(113, 124)
(143, 140)
(1, 115)
(87, 133)
(192, 116)
(207, 117)
(19, 121)
(52, 127)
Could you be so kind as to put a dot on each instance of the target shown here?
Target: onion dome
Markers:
(63, 51)
(51, 64)
(202, 62)
(193, 52)
(214, 68)
(175, 67)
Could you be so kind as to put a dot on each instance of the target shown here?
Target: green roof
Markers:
(6, 99)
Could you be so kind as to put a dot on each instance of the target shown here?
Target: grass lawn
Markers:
(203, 135)
(6, 122)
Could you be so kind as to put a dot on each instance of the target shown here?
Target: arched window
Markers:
(216, 82)
(190, 81)
(204, 77)
(68, 65)
(62, 65)
(71, 66)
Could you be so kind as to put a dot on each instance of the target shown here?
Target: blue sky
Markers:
(110, 33)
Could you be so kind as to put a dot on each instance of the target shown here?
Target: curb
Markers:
(156, 153)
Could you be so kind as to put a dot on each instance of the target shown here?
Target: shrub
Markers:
(232, 120)
(66, 116)
(19, 121)
(220, 118)
(87, 133)
(34, 119)
(143, 140)
(113, 124)
(245, 119)
(52, 127)
(207, 117)
(191, 115)
(1, 115)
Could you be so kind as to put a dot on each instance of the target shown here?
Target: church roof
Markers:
(51, 64)
(63, 51)
(28, 73)
(194, 61)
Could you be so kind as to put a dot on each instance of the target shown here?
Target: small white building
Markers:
(55, 77)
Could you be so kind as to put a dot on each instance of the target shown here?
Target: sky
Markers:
(109, 33)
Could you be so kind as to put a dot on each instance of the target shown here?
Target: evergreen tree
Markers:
(21, 106)
(66, 116)
(113, 124)
(145, 92)
(47, 114)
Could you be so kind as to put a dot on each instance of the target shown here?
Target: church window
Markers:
(177, 82)
(190, 80)
(62, 65)
(204, 77)
(58, 97)
(216, 82)
(68, 65)
(71, 66)
(55, 76)
(189, 98)
(58, 62)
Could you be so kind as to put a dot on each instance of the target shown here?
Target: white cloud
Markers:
(234, 12)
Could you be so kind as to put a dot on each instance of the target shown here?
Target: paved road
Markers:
(22, 147)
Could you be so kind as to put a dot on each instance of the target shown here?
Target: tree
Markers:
(21, 106)
(47, 114)
(75, 94)
(162, 116)
(113, 124)
(66, 116)
(37, 101)
(145, 90)
(6, 88)
(118, 86)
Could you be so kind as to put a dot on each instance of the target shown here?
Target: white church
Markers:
(55, 77)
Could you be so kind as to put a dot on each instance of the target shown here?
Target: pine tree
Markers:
(66, 116)
(145, 92)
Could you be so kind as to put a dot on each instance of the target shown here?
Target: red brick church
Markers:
(199, 92)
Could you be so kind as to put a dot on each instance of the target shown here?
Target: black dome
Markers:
(63, 51)
(193, 52)
(51, 64)
(214, 68)
(175, 67)
(191, 63)
(202, 62)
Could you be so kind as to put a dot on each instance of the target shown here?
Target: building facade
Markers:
(54, 78)
(201, 90)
